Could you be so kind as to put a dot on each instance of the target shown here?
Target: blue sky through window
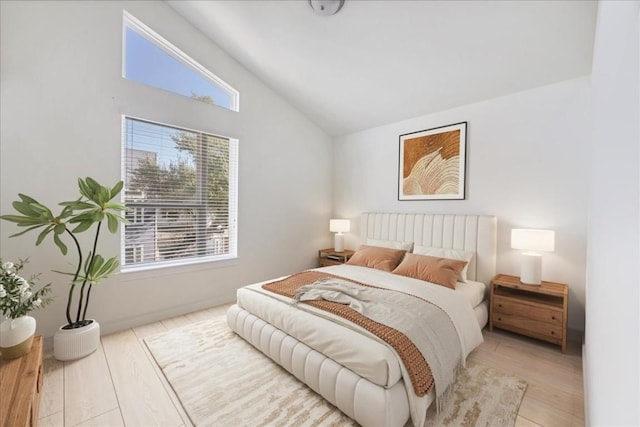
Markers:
(149, 64)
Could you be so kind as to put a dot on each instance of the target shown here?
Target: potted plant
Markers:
(17, 300)
(79, 336)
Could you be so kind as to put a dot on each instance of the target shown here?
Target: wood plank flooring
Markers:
(120, 385)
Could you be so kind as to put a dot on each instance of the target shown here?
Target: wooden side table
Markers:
(327, 257)
(537, 311)
(20, 388)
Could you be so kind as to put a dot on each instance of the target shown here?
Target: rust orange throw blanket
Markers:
(417, 367)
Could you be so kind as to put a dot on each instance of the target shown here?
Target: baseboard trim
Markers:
(585, 387)
(118, 325)
(575, 335)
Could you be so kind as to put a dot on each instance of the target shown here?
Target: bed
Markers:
(351, 368)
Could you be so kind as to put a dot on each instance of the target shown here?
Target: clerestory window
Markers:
(181, 192)
(152, 60)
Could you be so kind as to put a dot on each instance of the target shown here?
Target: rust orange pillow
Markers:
(385, 259)
(442, 271)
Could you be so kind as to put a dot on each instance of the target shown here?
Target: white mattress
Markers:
(365, 354)
(472, 291)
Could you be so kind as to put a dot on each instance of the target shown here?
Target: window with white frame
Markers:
(181, 191)
(152, 60)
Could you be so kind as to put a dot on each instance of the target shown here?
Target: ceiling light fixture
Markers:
(326, 7)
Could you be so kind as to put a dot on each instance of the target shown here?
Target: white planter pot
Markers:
(16, 336)
(72, 344)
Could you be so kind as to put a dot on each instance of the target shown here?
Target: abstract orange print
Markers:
(431, 165)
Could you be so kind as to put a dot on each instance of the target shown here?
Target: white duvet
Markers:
(352, 346)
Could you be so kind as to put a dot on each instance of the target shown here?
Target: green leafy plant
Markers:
(17, 294)
(94, 206)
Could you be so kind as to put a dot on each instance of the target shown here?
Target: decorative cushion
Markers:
(385, 259)
(447, 253)
(393, 244)
(441, 271)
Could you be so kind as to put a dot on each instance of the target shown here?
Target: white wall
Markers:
(527, 163)
(62, 97)
(612, 338)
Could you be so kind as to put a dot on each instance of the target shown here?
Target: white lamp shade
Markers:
(339, 225)
(533, 240)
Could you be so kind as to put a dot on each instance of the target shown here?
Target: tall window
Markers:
(152, 60)
(180, 188)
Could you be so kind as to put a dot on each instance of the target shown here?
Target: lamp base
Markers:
(531, 269)
(338, 242)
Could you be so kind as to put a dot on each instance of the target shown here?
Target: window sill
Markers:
(169, 269)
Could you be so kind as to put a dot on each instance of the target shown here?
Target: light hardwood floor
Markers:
(120, 385)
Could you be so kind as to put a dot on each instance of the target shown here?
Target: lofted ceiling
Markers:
(378, 62)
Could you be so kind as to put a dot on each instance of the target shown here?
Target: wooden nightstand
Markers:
(537, 311)
(20, 388)
(327, 257)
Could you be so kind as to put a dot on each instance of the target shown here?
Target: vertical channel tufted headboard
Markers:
(475, 233)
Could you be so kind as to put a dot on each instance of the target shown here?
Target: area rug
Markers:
(221, 380)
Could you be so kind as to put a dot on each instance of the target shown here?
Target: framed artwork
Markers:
(432, 163)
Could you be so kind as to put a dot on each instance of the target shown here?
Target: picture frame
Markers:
(432, 164)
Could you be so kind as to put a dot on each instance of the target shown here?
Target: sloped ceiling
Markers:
(377, 62)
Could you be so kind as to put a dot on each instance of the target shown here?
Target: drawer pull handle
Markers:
(553, 317)
(499, 318)
(499, 305)
(553, 333)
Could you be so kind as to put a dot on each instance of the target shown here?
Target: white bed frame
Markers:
(362, 400)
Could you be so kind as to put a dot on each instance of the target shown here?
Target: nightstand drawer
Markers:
(530, 327)
(509, 306)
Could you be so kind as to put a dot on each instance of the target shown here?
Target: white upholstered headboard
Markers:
(476, 233)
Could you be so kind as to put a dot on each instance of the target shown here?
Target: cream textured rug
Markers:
(221, 380)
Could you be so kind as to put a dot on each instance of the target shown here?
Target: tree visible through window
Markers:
(180, 190)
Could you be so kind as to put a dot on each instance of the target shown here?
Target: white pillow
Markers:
(392, 244)
(447, 253)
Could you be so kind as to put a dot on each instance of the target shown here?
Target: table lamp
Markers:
(532, 241)
(339, 226)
